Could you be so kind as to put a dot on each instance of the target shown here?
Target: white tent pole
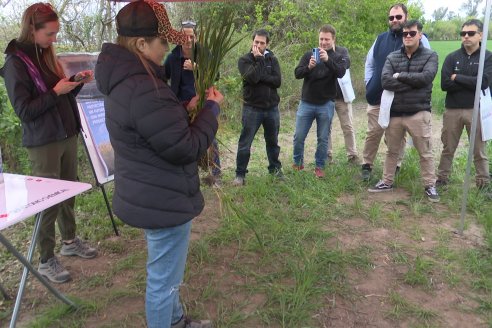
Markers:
(478, 89)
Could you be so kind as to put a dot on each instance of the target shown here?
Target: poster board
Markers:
(96, 138)
(92, 116)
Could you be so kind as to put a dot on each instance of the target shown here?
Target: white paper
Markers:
(385, 108)
(346, 86)
(486, 114)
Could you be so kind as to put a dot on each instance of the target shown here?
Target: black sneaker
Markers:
(366, 172)
(432, 194)
(381, 187)
(186, 322)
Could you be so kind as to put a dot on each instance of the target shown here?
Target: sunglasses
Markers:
(397, 17)
(470, 33)
(188, 23)
(410, 33)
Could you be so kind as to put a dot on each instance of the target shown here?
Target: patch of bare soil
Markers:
(368, 303)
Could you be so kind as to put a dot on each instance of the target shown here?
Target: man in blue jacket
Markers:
(261, 76)
(459, 79)
(385, 43)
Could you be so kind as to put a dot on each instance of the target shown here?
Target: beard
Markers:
(396, 27)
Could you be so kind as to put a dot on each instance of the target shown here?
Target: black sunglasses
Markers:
(410, 33)
(188, 23)
(397, 17)
(470, 33)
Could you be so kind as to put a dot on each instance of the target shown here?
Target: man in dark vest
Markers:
(385, 43)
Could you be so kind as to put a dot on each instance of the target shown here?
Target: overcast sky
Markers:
(453, 5)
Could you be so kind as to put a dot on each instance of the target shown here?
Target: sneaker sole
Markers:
(379, 190)
(55, 281)
(79, 255)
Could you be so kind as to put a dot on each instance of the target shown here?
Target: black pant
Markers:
(252, 119)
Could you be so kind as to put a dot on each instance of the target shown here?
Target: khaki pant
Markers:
(454, 120)
(344, 113)
(419, 126)
(373, 137)
(57, 160)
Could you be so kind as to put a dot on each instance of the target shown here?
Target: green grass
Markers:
(278, 241)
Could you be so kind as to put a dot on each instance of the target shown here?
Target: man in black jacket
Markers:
(409, 73)
(261, 76)
(459, 80)
(319, 90)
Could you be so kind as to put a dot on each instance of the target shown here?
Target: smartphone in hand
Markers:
(316, 55)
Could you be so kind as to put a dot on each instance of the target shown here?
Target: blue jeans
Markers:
(167, 250)
(252, 119)
(306, 114)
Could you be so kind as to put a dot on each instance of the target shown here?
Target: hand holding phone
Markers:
(84, 76)
(316, 55)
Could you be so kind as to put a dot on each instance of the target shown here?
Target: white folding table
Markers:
(22, 197)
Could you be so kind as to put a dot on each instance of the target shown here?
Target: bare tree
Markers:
(470, 7)
(439, 13)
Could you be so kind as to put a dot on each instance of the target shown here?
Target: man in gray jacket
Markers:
(409, 73)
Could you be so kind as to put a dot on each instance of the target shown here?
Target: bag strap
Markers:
(33, 71)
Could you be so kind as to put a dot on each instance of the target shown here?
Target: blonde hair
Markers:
(130, 43)
(35, 18)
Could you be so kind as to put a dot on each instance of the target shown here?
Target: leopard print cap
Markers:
(165, 30)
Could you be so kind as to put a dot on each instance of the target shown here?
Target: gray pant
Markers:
(57, 160)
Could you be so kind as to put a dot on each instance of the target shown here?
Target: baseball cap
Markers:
(147, 18)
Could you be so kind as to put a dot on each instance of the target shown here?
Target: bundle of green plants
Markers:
(215, 38)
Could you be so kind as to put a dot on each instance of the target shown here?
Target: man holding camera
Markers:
(319, 89)
(261, 76)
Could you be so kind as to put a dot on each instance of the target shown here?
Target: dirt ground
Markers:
(367, 303)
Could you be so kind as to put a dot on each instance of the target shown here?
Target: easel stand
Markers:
(103, 190)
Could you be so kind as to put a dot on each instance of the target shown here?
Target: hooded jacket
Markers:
(261, 78)
(460, 93)
(156, 146)
(45, 117)
(413, 86)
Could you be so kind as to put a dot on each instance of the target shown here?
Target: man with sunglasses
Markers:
(459, 78)
(409, 73)
(385, 43)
